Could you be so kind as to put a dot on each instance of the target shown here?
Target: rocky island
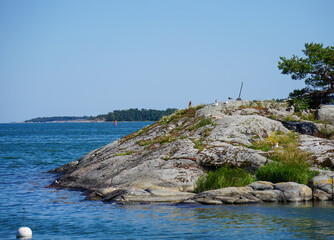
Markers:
(164, 161)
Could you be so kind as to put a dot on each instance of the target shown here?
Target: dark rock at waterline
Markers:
(308, 128)
(255, 193)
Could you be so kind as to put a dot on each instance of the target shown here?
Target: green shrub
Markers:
(198, 107)
(283, 172)
(289, 165)
(299, 104)
(224, 177)
(204, 122)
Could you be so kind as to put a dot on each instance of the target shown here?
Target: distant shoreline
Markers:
(77, 121)
(84, 121)
(130, 115)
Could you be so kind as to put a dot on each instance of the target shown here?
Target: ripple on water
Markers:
(27, 151)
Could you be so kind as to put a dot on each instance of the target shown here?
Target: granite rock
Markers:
(163, 161)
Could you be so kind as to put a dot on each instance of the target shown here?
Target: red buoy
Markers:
(115, 122)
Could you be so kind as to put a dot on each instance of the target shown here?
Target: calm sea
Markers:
(27, 151)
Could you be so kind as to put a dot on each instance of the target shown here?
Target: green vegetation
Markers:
(327, 133)
(124, 154)
(203, 122)
(198, 107)
(132, 114)
(288, 118)
(299, 104)
(165, 139)
(135, 114)
(310, 117)
(327, 164)
(184, 119)
(317, 69)
(57, 119)
(286, 169)
(144, 143)
(226, 176)
(138, 133)
(280, 138)
(273, 117)
(289, 163)
(258, 105)
(199, 144)
(183, 113)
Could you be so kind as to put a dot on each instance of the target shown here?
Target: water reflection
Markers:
(287, 221)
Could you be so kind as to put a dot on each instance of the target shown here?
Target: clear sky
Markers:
(77, 57)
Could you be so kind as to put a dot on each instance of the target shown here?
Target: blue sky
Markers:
(77, 57)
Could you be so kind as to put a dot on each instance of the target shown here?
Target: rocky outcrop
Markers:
(326, 113)
(173, 151)
(322, 150)
(255, 193)
(163, 161)
(229, 195)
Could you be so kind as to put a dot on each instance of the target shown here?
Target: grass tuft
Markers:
(203, 122)
(285, 172)
(199, 144)
(290, 164)
(224, 177)
(124, 154)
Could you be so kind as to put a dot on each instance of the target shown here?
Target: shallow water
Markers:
(27, 151)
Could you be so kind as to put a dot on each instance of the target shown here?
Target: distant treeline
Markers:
(57, 119)
(134, 114)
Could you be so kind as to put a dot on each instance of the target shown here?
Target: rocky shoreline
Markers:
(162, 162)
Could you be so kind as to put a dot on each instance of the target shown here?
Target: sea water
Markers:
(28, 151)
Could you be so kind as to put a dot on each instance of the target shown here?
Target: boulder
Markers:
(220, 154)
(326, 113)
(261, 185)
(308, 128)
(128, 195)
(321, 195)
(324, 182)
(240, 129)
(294, 192)
(120, 195)
(256, 192)
(229, 195)
(269, 195)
